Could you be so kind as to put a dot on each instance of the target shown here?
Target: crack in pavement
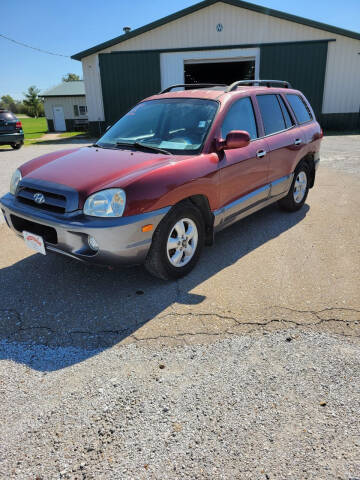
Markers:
(126, 332)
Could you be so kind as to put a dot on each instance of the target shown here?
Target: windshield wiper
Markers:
(143, 145)
(96, 145)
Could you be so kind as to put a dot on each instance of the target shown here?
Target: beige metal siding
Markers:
(68, 106)
(241, 26)
(92, 82)
(342, 80)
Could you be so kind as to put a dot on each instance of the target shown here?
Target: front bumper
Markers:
(121, 240)
(7, 138)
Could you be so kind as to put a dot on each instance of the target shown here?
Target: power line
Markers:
(33, 48)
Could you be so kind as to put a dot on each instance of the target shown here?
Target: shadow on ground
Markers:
(66, 141)
(80, 310)
(75, 140)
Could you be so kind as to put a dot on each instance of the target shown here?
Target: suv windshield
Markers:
(177, 125)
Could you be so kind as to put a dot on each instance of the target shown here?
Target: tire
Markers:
(161, 259)
(17, 146)
(298, 192)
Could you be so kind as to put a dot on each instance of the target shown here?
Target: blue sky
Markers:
(69, 26)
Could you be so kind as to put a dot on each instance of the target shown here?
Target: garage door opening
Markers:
(219, 72)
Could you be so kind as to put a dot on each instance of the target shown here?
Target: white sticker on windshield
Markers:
(174, 145)
(202, 124)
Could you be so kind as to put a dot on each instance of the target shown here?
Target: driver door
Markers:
(243, 171)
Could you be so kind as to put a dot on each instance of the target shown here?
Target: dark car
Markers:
(11, 132)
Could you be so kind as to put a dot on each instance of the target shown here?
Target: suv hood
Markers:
(88, 170)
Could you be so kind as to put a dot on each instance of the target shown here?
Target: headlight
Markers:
(15, 179)
(107, 203)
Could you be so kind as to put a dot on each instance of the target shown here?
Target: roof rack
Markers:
(193, 85)
(258, 82)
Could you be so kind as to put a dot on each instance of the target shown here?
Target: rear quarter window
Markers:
(300, 109)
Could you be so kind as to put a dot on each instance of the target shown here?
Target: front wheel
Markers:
(177, 243)
(299, 189)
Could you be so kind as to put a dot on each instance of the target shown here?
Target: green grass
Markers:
(72, 134)
(34, 127)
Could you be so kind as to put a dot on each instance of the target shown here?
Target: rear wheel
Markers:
(299, 189)
(177, 243)
(16, 146)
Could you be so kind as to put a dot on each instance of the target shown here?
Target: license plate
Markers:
(35, 242)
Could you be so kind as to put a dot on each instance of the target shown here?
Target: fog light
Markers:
(93, 243)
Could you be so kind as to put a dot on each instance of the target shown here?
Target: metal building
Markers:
(223, 41)
(65, 107)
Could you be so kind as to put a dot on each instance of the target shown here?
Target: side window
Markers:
(271, 113)
(240, 117)
(288, 121)
(301, 110)
(76, 110)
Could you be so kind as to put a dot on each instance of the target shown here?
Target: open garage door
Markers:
(222, 71)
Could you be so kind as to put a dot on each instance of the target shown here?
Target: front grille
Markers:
(54, 202)
(48, 233)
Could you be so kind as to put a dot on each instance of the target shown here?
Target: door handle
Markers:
(261, 153)
(298, 141)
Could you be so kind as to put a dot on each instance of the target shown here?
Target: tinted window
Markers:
(300, 109)
(7, 116)
(287, 118)
(240, 117)
(272, 116)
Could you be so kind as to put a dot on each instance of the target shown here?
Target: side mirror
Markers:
(234, 139)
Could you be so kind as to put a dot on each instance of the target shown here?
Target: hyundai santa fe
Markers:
(177, 168)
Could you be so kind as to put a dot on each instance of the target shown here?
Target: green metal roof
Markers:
(65, 89)
(207, 3)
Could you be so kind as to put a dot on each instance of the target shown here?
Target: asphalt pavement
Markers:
(273, 306)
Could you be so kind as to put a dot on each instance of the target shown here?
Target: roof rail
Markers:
(258, 82)
(193, 85)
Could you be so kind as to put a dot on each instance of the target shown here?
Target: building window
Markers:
(76, 110)
(83, 109)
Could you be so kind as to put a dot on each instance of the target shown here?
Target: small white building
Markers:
(223, 41)
(65, 107)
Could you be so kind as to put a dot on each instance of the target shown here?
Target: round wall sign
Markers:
(219, 27)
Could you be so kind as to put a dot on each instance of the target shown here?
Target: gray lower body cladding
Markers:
(121, 240)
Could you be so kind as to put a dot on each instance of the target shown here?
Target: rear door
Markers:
(282, 141)
(7, 122)
(304, 117)
(243, 171)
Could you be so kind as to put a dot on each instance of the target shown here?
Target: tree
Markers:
(71, 77)
(8, 103)
(35, 107)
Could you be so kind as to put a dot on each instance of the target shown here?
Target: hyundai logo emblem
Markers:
(39, 198)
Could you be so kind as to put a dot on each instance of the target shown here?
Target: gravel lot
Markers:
(246, 369)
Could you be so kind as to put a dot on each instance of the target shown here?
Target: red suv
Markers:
(178, 167)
